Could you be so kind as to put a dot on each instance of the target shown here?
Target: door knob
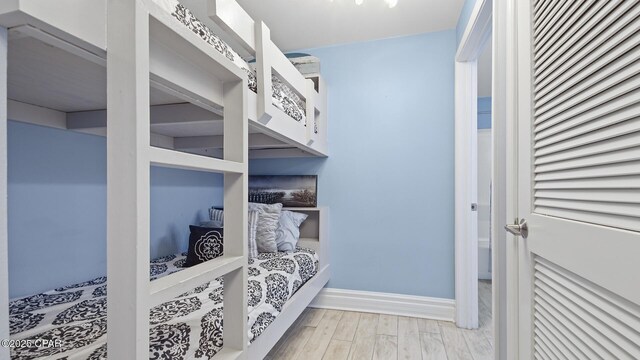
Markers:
(518, 229)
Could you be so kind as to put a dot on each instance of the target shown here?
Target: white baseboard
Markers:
(385, 303)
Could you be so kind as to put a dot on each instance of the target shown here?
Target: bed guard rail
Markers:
(129, 157)
(255, 37)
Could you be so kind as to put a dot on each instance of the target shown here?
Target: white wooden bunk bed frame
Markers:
(144, 43)
(272, 133)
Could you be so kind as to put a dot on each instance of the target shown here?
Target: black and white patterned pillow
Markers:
(204, 244)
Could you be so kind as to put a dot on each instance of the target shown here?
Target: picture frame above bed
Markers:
(290, 190)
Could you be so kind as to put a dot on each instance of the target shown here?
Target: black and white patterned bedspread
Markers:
(284, 98)
(188, 327)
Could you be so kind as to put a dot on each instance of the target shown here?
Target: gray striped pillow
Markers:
(267, 225)
(251, 236)
(217, 218)
(216, 214)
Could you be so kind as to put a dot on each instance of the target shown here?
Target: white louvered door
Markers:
(578, 181)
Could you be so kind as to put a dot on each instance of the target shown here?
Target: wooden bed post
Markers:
(4, 233)
(236, 148)
(263, 72)
(311, 111)
(128, 179)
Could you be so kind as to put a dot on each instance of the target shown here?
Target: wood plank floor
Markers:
(343, 335)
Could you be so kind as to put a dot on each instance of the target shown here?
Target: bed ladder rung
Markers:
(182, 160)
(171, 286)
(228, 354)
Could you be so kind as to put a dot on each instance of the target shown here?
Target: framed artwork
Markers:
(290, 190)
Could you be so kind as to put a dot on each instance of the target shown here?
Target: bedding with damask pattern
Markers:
(283, 97)
(190, 326)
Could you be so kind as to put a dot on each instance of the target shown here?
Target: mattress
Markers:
(284, 98)
(190, 326)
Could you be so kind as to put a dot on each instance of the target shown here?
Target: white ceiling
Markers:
(303, 24)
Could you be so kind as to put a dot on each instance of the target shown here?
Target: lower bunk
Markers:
(74, 317)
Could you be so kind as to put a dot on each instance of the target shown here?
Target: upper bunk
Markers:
(57, 76)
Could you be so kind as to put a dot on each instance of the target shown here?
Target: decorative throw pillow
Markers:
(216, 214)
(252, 220)
(267, 226)
(288, 231)
(212, 224)
(251, 236)
(204, 244)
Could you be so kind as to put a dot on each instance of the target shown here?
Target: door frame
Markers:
(496, 19)
(505, 169)
(475, 37)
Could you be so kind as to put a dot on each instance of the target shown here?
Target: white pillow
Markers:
(288, 231)
(267, 226)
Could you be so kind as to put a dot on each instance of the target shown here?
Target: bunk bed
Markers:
(167, 93)
(185, 327)
(61, 50)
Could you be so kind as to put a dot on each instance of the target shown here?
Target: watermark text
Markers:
(30, 343)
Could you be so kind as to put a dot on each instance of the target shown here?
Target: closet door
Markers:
(578, 179)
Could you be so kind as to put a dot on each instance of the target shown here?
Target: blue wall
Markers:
(463, 19)
(57, 207)
(484, 112)
(180, 198)
(389, 178)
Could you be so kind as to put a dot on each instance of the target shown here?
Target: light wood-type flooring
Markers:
(340, 335)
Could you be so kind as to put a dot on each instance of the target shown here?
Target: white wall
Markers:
(484, 197)
(484, 71)
(484, 162)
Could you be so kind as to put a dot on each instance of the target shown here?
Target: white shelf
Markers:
(229, 354)
(302, 209)
(170, 286)
(187, 161)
